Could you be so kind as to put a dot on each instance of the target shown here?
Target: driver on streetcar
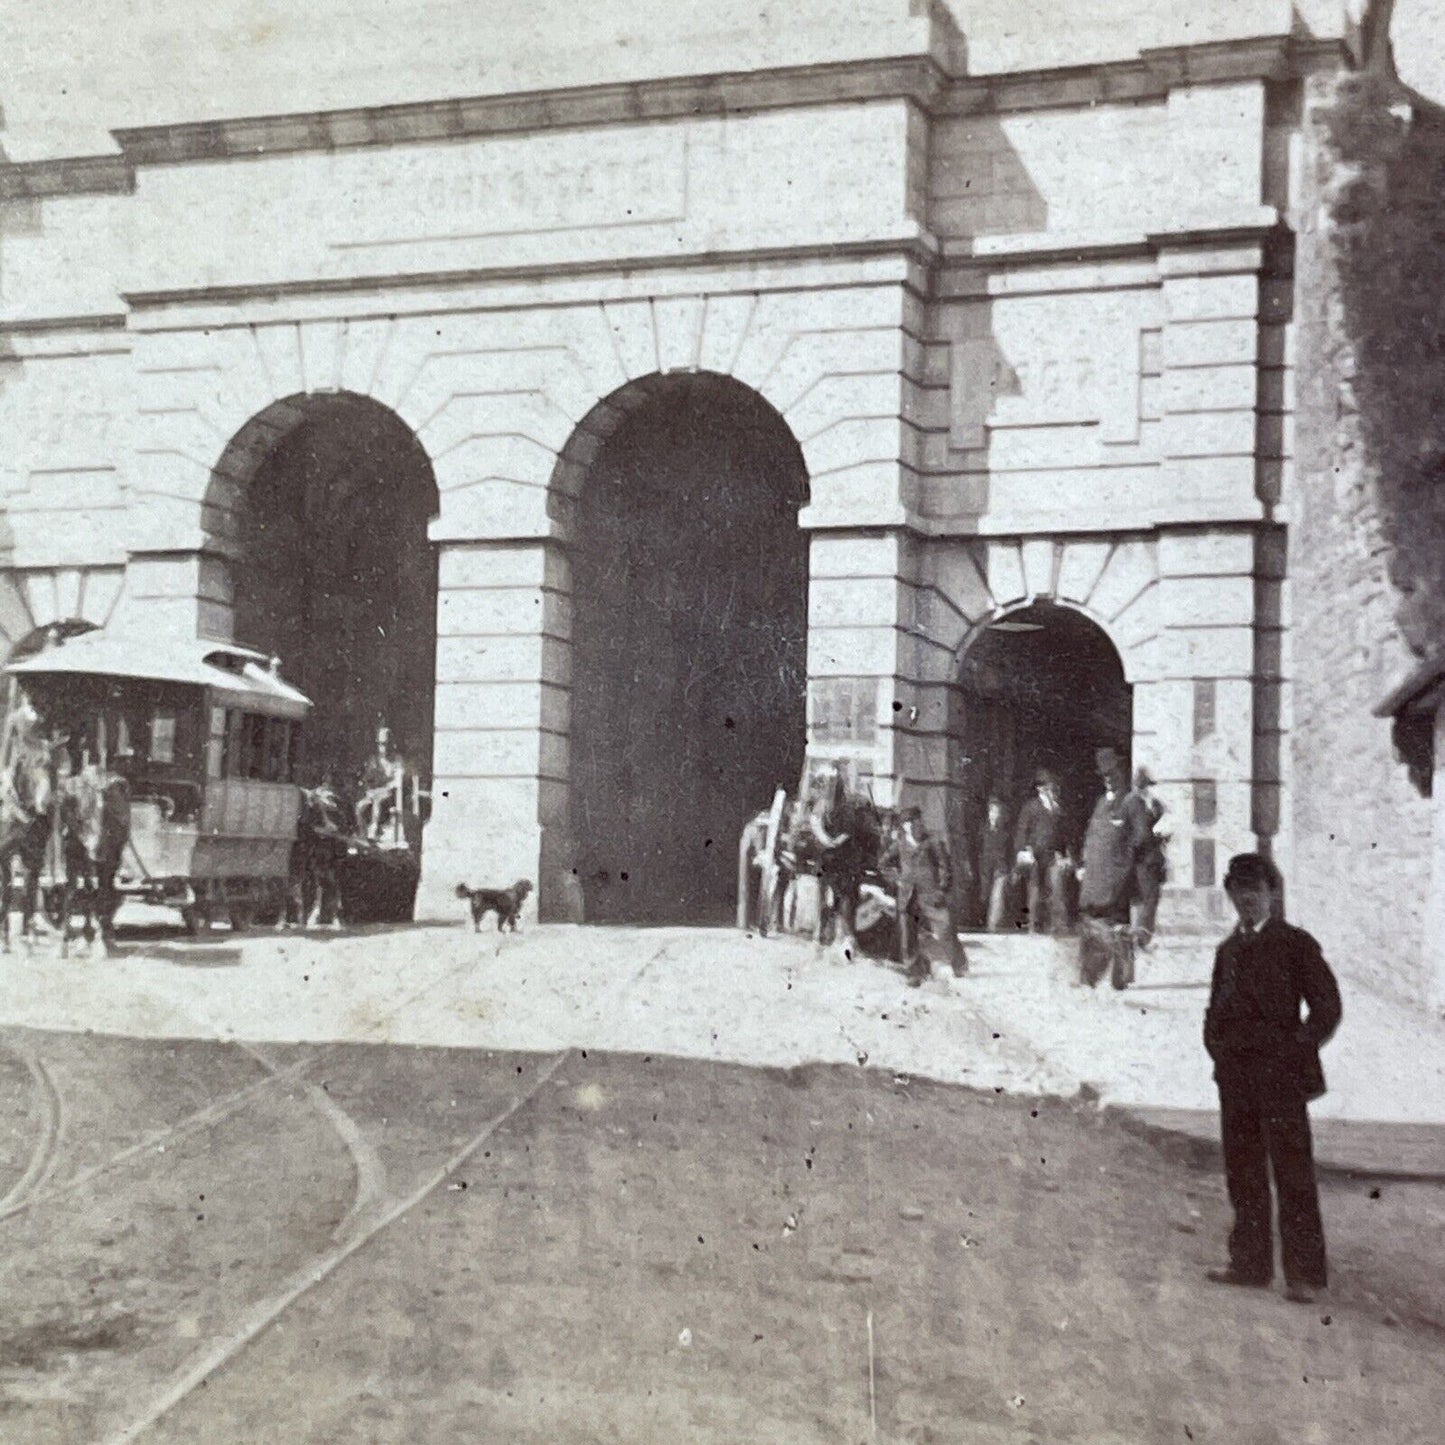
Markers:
(381, 782)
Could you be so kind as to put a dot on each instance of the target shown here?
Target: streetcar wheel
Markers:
(197, 920)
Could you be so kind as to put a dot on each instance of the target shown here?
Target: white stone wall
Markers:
(510, 405)
(1032, 344)
(1008, 181)
(819, 176)
(64, 416)
(169, 61)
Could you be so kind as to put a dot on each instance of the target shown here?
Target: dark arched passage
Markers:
(1041, 687)
(324, 502)
(689, 645)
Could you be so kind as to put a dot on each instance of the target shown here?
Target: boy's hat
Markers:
(911, 814)
(1250, 870)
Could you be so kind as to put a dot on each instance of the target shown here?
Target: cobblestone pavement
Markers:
(227, 1242)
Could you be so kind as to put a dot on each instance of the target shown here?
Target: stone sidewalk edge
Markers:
(1193, 1136)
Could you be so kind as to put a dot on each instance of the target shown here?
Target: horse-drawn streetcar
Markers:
(204, 739)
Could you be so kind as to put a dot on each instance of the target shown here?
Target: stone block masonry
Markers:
(1367, 544)
(1033, 331)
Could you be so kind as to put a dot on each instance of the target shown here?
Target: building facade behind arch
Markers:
(1030, 312)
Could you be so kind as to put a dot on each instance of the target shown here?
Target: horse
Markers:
(94, 814)
(838, 836)
(25, 826)
(321, 844)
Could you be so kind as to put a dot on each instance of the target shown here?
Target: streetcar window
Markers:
(234, 763)
(216, 744)
(163, 737)
(275, 750)
(255, 745)
(293, 749)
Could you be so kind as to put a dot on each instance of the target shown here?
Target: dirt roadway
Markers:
(643, 1250)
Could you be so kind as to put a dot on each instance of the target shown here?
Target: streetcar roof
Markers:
(195, 662)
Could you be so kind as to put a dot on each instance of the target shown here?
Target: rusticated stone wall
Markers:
(1367, 540)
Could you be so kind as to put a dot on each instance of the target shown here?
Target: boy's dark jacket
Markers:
(1252, 1027)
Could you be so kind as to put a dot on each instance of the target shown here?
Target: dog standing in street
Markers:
(506, 903)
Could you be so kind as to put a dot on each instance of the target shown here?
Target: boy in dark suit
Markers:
(1267, 1066)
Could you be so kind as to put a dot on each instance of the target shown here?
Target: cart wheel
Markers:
(763, 903)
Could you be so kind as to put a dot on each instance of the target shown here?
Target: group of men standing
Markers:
(1112, 882)
(1273, 999)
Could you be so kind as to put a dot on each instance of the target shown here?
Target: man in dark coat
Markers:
(995, 865)
(1118, 831)
(1039, 842)
(1267, 1066)
(927, 929)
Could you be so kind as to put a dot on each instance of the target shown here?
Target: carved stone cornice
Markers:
(918, 79)
(915, 78)
(66, 176)
(49, 325)
(914, 257)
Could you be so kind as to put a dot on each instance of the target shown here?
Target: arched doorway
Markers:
(324, 501)
(690, 578)
(1040, 687)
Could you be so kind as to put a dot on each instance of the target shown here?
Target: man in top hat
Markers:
(1118, 830)
(1267, 1067)
(1040, 838)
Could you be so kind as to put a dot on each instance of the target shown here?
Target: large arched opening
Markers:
(1040, 687)
(321, 505)
(690, 582)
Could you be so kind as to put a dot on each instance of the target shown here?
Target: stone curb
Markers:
(1203, 1151)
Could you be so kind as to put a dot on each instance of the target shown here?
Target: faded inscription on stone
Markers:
(511, 187)
(1029, 369)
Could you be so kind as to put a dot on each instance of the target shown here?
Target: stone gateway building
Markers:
(619, 402)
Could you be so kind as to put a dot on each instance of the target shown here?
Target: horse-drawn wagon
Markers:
(197, 743)
(827, 840)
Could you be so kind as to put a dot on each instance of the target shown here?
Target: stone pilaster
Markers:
(500, 760)
(856, 652)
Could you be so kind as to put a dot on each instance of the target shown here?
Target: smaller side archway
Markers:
(1040, 686)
